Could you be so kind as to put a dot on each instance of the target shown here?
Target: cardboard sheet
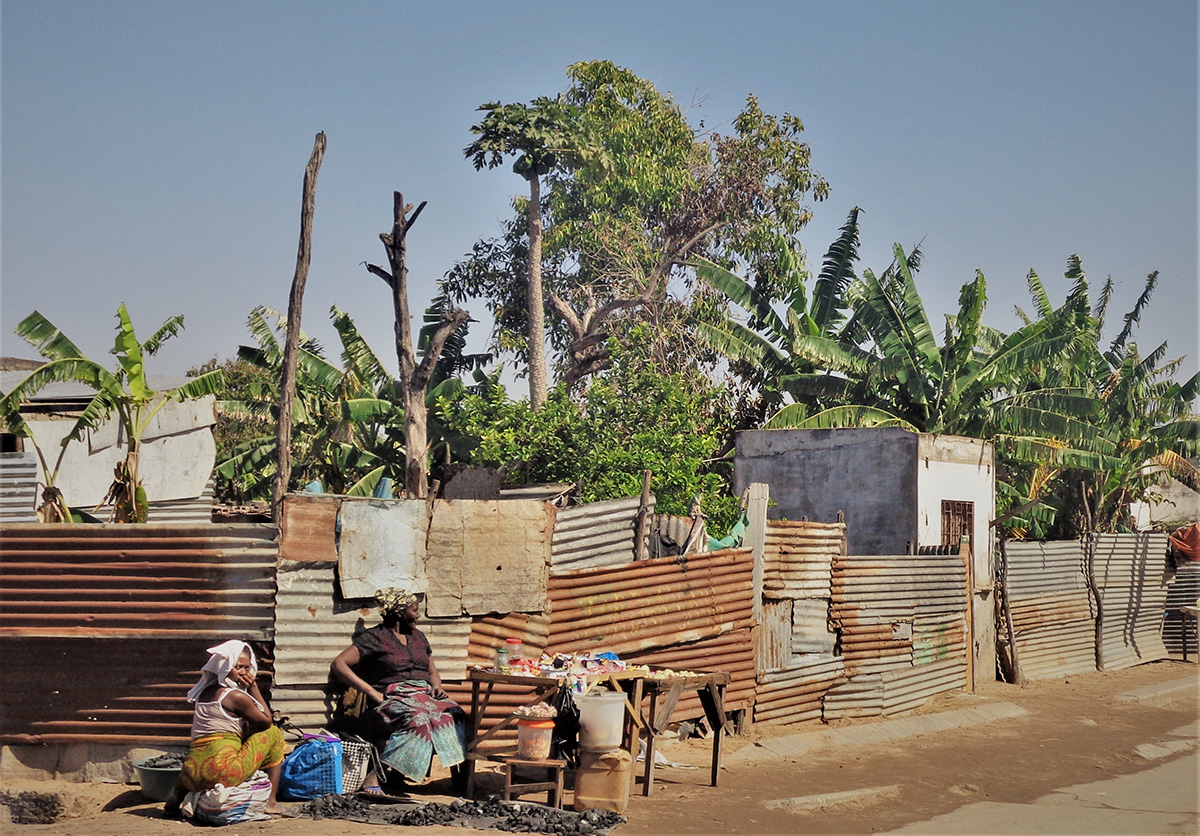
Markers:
(488, 556)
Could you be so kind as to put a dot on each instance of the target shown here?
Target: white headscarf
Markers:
(219, 666)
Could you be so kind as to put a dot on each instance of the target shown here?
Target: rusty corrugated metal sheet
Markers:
(308, 529)
(650, 604)
(18, 487)
(313, 623)
(1131, 573)
(1054, 627)
(901, 621)
(123, 691)
(798, 557)
(909, 688)
(595, 534)
(212, 581)
(104, 627)
(774, 645)
(670, 536)
(795, 695)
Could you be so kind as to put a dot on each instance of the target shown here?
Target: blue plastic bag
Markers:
(313, 769)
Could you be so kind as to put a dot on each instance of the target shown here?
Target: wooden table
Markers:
(664, 692)
(1184, 614)
(546, 689)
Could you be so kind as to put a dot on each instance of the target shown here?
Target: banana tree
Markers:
(126, 391)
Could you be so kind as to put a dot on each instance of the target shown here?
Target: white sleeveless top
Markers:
(212, 718)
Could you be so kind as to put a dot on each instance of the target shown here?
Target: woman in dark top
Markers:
(410, 716)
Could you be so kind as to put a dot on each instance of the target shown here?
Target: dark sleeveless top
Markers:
(384, 660)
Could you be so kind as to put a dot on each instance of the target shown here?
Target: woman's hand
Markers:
(439, 693)
(244, 679)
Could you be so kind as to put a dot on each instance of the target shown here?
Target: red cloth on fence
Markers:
(1186, 541)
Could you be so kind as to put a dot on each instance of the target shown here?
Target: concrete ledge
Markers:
(879, 732)
(825, 800)
(1163, 693)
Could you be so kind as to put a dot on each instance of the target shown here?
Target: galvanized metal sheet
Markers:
(796, 695)
(381, 544)
(596, 534)
(1131, 572)
(1183, 590)
(313, 623)
(810, 627)
(774, 649)
(18, 487)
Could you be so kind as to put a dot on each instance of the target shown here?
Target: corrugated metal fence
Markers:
(1053, 622)
(1079, 605)
(103, 627)
(1130, 573)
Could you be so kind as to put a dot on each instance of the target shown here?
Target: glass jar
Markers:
(502, 659)
(516, 649)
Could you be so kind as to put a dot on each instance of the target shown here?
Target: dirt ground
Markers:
(1074, 732)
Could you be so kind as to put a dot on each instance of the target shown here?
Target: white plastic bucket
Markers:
(601, 720)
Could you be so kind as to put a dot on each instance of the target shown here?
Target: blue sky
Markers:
(153, 152)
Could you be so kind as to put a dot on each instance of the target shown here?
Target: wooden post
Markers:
(756, 539)
(291, 350)
(964, 549)
(640, 549)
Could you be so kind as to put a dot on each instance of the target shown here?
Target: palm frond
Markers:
(837, 272)
(44, 335)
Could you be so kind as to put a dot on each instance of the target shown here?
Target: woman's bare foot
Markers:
(273, 808)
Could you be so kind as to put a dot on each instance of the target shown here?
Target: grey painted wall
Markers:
(870, 474)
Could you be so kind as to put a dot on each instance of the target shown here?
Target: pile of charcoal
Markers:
(32, 807)
(481, 815)
(166, 761)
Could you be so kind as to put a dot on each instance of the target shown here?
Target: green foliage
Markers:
(635, 418)
(617, 236)
(125, 391)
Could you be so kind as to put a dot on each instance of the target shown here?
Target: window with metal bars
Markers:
(958, 518)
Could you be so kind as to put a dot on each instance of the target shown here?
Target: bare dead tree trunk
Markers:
(291, 350)
(537, 308)
(414, 376)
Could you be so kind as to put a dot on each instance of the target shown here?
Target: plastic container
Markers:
(533, 738)
(516, 649)
(158, 783)
(601, 720)
(602, 780)
(502, 659)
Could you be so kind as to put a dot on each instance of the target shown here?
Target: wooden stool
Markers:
(554, 789)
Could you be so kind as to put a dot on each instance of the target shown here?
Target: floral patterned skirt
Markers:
(419, 726)
(228, 760)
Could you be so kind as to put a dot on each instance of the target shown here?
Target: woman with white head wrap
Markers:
(233, 734)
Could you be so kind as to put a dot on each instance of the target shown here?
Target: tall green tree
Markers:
(125, 392)
(544, 134)
(618, 237)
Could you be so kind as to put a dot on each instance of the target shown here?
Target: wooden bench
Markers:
(512, 762)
